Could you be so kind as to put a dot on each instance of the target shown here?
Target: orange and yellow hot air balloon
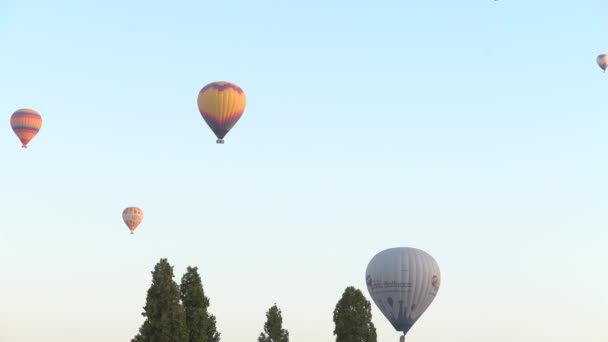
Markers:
(132, 217)
(26, 123)
(221, 104)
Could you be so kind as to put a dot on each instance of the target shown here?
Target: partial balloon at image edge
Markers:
(602, 61)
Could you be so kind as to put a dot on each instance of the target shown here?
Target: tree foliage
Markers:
(211, 330)
(200, 325)
(353, 318)
(273, 328)
(165, 319)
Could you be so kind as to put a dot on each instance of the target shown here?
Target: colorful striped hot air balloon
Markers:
(221, 104)
(132, 217)
(26, 123)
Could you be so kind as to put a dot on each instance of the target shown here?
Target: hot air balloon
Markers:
(602, 61)
(26, 123)
(402, 282)
(132, 217)
(221, 104)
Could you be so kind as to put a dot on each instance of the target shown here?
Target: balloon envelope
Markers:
(602, 61)
(221, 104)
(26, 123)
(403, 282)
(132, 217)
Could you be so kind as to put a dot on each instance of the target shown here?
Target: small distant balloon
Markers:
(602, 61)
(26, 123)
(221, 105)
(132, 217)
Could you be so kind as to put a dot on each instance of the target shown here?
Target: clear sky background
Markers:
(474, 130)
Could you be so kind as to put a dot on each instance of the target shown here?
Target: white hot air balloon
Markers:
(403, 282)
(602, 61)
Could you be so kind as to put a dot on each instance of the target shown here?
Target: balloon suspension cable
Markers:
(220, 141)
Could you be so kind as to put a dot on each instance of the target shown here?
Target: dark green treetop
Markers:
(273, 328)
(165, 319)
(353, 318)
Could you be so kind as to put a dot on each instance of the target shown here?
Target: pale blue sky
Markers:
(474, 130)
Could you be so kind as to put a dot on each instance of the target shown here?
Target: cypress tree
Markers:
(211, 330)
(273, 328)
(353, 318)
(165, 321)
(200, 325)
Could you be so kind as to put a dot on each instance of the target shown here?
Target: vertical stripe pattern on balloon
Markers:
(403, 282)
(221, 105)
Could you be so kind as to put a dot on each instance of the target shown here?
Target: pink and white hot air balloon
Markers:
(132, 217)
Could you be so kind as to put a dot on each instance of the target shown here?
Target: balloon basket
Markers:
(220, 141)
